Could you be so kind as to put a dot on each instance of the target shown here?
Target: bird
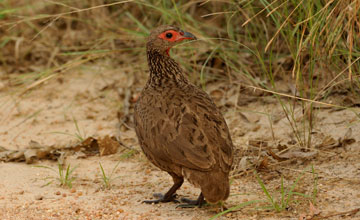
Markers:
(179, 127)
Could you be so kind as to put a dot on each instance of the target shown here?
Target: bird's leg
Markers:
(170, 195)
(192, 203)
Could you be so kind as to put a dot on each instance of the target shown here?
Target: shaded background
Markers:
(305, 43)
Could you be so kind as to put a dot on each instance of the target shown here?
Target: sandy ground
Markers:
(89, 97)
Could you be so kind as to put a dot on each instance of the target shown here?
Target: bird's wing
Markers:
(199, 138)
(188, 131)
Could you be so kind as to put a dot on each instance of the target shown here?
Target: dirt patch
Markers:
(63, 110)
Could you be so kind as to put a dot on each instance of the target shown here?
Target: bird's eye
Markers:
(168, 35)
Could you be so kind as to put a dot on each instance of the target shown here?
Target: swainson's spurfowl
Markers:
(179, 128)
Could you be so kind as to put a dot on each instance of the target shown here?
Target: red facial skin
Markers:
(176, 37)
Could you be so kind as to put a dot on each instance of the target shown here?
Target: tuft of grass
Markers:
(108, 179)
(78, 134)
(81, 136)
(312, 34)
(64, 176)
(281, 202)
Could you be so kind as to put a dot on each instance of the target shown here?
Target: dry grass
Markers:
(274, 38)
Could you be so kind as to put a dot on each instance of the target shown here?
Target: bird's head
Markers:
(164, 37)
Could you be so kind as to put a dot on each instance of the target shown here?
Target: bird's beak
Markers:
(187, 35)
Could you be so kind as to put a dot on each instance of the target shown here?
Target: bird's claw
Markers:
(162, 199)
(189, 203)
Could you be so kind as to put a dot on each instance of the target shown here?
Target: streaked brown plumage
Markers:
(179, 128)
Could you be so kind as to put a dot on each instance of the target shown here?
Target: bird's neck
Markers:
(163, 70)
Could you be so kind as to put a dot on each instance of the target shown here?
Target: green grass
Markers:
(235, 208)
(107, 179)
(64, 176)
(285, 197)
(282, 199)
(80, 136)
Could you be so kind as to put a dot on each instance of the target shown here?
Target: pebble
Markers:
(39, 197)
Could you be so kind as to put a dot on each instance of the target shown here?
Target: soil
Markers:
(86, 103)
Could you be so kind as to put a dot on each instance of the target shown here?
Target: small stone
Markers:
(39, 197)
(58, 193)
(73, 190)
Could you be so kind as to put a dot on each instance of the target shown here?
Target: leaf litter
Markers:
(34, 151)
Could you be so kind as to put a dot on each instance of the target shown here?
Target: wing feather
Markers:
(193, 134)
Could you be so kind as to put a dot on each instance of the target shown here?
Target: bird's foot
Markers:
(189, 203)
(162, 199)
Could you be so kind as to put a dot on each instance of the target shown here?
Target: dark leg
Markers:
(193, 203)
(170, 195)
